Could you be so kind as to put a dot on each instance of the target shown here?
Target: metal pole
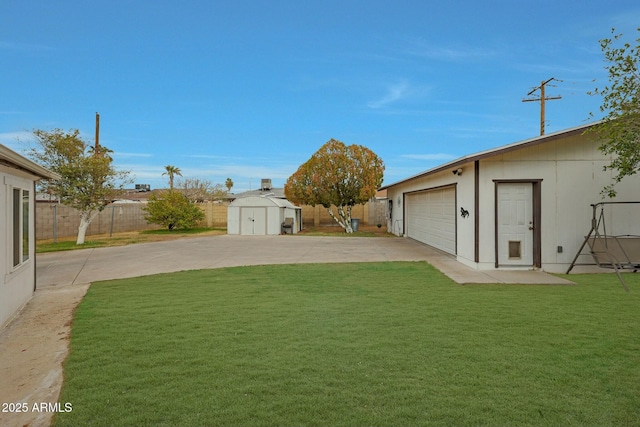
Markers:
(55, 222)
(113, 209)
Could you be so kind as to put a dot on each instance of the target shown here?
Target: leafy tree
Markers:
(172, 209)
(337, 175)
(100, 150)
(620, 129)
(229, 184)
(89, 180)
(171, 171)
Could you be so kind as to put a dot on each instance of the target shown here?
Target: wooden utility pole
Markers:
(97, 147)
(542, 98)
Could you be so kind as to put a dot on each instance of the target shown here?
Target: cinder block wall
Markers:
(64, 220)
(119, 218)
(315, 216)
(215, 213)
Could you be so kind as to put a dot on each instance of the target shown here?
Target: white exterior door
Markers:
(515, 223)
(431, 218)
(253, 221)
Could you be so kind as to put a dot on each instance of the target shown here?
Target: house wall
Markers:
(571, 170)
(16, 284)
(572, 176)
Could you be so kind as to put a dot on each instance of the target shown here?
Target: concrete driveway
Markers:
(87, 265)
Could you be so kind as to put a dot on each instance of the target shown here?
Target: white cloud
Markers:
(431, 156)
(15, 140)
(121, 155)
(240, 171)
(394, 93)
(205, 156)
(423, 48)
(245, 173)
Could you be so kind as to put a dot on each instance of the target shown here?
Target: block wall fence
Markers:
(61, 221)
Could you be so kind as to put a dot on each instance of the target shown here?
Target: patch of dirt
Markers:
(32, 349)
(132, 237)
(336, 229)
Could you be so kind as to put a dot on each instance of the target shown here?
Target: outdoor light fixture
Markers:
(458, 171)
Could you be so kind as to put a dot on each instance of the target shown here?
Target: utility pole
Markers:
(542, 98)
(97, 147)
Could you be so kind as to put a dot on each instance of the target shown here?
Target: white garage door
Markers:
(431, 218)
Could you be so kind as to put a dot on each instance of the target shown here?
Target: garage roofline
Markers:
(496, 151)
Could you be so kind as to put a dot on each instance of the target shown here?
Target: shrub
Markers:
(172, 210)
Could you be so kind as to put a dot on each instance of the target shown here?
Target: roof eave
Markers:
(22, 163)
(495, 151)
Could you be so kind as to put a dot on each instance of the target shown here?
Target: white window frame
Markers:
(17, 254)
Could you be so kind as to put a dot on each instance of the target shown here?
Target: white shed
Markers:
(18, 176)
(523, 205)
(260, 215)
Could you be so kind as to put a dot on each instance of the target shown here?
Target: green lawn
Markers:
(352, 344)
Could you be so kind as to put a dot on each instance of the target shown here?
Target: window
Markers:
(20, 226)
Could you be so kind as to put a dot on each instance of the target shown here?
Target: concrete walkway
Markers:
(88, 265)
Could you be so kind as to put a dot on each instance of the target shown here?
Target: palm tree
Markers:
(171, 171)
(229, 184)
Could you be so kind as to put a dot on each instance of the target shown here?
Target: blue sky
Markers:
(251, 89)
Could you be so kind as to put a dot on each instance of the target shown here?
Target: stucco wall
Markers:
(16, 284)
(571, 170)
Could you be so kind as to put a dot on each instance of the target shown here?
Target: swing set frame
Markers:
(619, 252)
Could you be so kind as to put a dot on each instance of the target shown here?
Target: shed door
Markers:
(253, 221)
(431, 218)
(515, 223)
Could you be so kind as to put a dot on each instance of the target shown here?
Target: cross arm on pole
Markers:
(542, 99)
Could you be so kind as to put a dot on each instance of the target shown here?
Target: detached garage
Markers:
(259, 216)
(524, 205)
